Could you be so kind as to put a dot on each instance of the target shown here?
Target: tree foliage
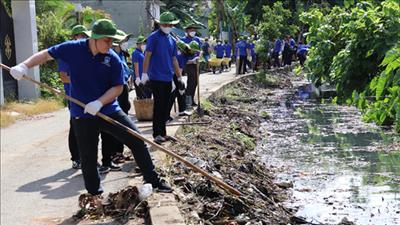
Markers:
(356, 49)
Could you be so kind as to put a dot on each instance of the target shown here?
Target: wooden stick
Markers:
(137, 135)
(178, 124)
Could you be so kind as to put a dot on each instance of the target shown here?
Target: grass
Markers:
(16, 110)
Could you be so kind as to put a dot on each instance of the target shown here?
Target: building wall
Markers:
(130, 16)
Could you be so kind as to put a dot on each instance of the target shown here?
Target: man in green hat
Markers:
(191, 63)
(96, 80)
(77, 32)
(160, 64)
(112, 149)
(142, 91)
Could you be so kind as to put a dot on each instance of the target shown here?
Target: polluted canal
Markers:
(339, 166)
(295, 160)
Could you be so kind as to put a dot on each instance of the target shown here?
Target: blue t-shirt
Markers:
(278, 46)
(219, 50)
(292, 43)
(187, 40)
(303, 49)
(137, 57)
(163, 48)
(127, 72)
(91, 76)
(205, 48)
(241, 46)
(251, 46)
(182, 59)
(228, 50)
(63, 67)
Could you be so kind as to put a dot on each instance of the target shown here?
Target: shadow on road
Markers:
(58, 186)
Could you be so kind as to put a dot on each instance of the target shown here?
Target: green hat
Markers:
(140, 39)
(79, 29)
(182, 45)
(123, 36)
(194, 46)
(193, 25)
(167, 18)
(105, 28)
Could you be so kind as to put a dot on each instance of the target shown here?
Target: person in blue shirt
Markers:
(78, 32)
(206, 50)
(142, 91)
(160, 64)
(96, 80)
(228, 51)
(190, 68)
(251, 59)
(302, 52)
(276, 52)
(287, 52)
(112, 150)
(241, 47)
(219, 50)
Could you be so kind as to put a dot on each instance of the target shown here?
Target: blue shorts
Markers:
(206, 57)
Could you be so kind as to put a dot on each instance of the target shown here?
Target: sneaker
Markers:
(76, 165)
(114, 167)
(159, 139)
(104, 169)
(170, 138)
(185, 113)
(118, 158)
(162, 186)
(169, 120)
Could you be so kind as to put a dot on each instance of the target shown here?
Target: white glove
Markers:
(249, 58)
(19, 71)
(145, 78)
(93, 107)
(137, 81)
(173, 87)
(195, 59)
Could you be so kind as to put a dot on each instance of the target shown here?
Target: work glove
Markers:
(181, 86)
(19, 71)
(93, 107)
(173, 86)
(249, 58)
(145, 78)
(137, 81)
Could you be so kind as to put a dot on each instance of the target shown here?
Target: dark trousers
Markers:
(191, 71)
(87, 134)
(302, 58)
(143, 91)
(242, 64)
(275, 58)
(72, 144)
(110, 145)
(181, 98)
(162, 96)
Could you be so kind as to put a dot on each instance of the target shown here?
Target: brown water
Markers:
(339, 165)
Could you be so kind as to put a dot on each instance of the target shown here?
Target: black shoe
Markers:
(76, 165)
(162, 186)
(104, 169)
(159, 139)
(114, 167)
(169, 120)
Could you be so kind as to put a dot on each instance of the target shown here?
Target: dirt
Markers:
(223, 148)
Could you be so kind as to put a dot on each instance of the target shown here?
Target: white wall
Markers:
(26, 44)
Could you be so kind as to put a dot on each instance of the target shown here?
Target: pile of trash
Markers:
(224, 148)
(124, 204)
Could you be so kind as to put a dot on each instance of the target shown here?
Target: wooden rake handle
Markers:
(137, 135)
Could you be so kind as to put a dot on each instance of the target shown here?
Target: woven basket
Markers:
(144, 109)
